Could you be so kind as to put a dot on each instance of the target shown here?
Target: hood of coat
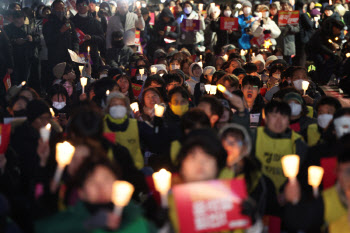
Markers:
(191, 69)
(166, 12)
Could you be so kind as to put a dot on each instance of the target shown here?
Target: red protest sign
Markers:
(137, 37)
(136, 89)
(110, 137)
(259, 41)
(211, 206)
(228, 23)
(151, 15)
(5, 131)
(81, 35)
(1, 21)
(329, 166)
(288, 17)
(7, 81)
(189, 25)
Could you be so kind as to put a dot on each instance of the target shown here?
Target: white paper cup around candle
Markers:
(207, 88)
(134, 106)
(153, 69)
(213, 89)
(83, 82)
(242, 52)
(97, 8)
(223, 89)
(121, 195)
(52, 112)
(315, 175)
(305, 86)
(212, 4)
(162, 183)
(159, 110)
(107, 93)
(64, 155)
(141, 71)
(200, 7)
(45, 132)
(168, 28)
(81, 70)
(290, 165)
(225, 57)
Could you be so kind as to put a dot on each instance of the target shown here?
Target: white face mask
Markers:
(84, 15)
(188, 10)
(296, 109)
(298, 84)
(117, 112)
(247, 10)
(342, 126)
(227, 13)
(324, 119)
(58, 105)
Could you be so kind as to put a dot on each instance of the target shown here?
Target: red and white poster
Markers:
(7, 81)
(211, 206)
(228, 23)
(81, 35)
(1, 21)
(288, 17)
(151, 15)
(259, 41)
(5, 131)
(189, 25)
(136, 89)
(137, 37)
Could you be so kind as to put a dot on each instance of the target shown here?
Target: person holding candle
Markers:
(119, 54)
(274, 140)
(195, 73)
(206, 78)
(299, 121)
(213, 108)
(126, 129)
(61, 104)
(150, 97)
(125, 85)
(92, 29)
(94, 211)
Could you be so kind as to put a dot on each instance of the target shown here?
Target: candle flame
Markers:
(52, 112)
(315, 175)
(23, 83)
(267, 44)
(107, 92)
(290, 165)
(64, 153)
(221, 88)
(162, 181)
(48, 126)
(122, 192)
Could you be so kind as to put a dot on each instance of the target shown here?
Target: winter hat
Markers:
(191, 68)
(318, 5)
(262, 8)
(315, 12)
(159, 53)
(58, 70)
(257, 58)
(329, 7)
(293, 96)
(270, 59)
(247, 4)
(160, 67)
(179, 72)
(209, 70)
(36, 108)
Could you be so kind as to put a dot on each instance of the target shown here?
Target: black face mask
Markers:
(118, 43)
(20, 113)
(94, 208)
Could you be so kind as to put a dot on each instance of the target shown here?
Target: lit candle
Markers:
(64, 155)
(52, 112)
(224, 90)
(200, 64)
(88, 49)
(134, 106)
(168, 28)
(121, 195)
(107, 93)
(159, 110)
(253, 55)
(81, 70)
(153, 70)
(22, 84)
(330, 41)
(347, 55)
(200, 57)
(315, 175)
(141, 71)
(200, 7)
(225, 57)
(45, 132)
(305, 86)
(207, 88)
(97, 8)
(242, 52)
(162, 183)
(83, 82)
(290, 166)
(161, 75)
(138, 4)
(212, 4)
(213, 89)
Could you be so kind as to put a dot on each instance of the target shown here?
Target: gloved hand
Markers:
(249, 208)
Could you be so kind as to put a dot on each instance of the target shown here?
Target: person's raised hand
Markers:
(292, 192)
(113, 221)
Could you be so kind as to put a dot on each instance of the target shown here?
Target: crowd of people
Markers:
(135, 89)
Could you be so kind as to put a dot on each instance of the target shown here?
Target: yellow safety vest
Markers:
(175, 148)
(313, 135)
(333, 208)
(340, 226)
(269, 151)
(311, 111)
(130, 139)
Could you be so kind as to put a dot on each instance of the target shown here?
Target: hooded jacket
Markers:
(193, 80)
(161, 26)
